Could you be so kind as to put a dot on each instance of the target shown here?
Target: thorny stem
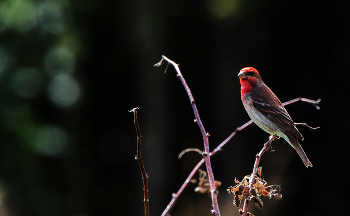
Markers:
(266, 147)
(138, 157)
(213, 192)
(182, 188)
(219, 147)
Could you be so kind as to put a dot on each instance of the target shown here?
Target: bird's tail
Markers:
(295, 144)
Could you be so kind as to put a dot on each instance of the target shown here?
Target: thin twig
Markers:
(313, 102)
(181, 189)
(213, 193)
(266, 147)
(306, 125)
(189, 150)
(218, 148)
(138, 157)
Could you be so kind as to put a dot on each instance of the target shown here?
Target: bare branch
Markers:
(205, 136)
(181, 189)
(313, 102)
(266, 147)
(138, 157)
(218, 148)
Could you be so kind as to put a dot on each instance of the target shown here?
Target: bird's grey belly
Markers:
(260, 120)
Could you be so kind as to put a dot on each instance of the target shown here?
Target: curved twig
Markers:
(304, 124)
(189, 150)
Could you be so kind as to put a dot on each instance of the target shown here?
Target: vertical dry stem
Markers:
(138, 157)
(266, 147)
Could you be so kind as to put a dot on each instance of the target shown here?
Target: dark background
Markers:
(70, 70)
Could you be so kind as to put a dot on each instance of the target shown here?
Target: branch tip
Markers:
(133, 110)
(304, 124)
(159, 63)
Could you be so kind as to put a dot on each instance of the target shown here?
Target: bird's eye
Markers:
(249, 73)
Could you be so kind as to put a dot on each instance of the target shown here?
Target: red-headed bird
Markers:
(267, 111)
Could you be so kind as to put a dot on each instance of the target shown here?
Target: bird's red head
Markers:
(249, 78)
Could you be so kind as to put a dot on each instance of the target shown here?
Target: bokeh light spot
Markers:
(64, 90)
(59, 60)
(5, 59)
(26, 82)
(53, 17)
(222, 9)
(51, 140)
(18, 14)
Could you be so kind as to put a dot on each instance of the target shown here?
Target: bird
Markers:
(267, 111)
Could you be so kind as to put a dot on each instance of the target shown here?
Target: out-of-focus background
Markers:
(70, 70)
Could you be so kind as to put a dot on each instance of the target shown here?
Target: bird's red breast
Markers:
(249, 78)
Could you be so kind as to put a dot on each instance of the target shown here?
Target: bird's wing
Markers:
(270, 106)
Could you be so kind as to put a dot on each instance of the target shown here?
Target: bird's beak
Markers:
(241, 75)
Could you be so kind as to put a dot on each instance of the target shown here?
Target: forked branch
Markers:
(205, 136)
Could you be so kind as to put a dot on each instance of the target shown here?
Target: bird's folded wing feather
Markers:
(270, 106)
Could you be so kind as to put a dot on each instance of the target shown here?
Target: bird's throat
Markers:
(246, 87)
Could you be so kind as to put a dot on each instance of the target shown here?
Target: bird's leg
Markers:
(304, 124)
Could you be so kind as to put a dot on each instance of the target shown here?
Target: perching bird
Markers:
(267, 111)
